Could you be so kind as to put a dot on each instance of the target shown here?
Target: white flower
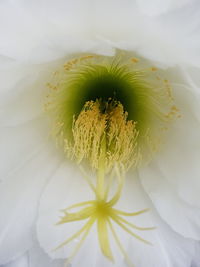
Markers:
(38, 180)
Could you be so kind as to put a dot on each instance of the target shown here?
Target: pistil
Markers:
(102, 211)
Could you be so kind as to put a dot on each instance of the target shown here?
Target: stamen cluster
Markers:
(102, 128)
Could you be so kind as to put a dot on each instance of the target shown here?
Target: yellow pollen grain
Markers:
(154, 69)
(87, 57)
(135, 60)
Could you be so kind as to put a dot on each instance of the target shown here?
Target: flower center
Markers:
(140, 90)
(109, 114)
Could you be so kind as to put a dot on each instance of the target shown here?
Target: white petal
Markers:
(23, 92)
(35, 257)
(157, 7)
(19, 195)
(47, 31)
(22, 261)
(20, 144)
(196, 260)
(38, 258)
(66, 188)
(172, 180)
(182, 217)
(190, 76)
(163, 39)
(179, 159)
(168, 249)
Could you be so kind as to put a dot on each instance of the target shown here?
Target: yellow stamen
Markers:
(128, 261)
(87, 229)
(103, 136)
(103, 236)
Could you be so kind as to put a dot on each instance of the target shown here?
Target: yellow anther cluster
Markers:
(103, 130)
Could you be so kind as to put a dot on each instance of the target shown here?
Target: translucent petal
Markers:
(168, 248)
(19, 196)
(22, 261)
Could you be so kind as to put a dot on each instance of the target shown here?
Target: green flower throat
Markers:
(109, 115)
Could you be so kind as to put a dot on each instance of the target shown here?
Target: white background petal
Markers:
(49, 30)
(20, 144)
(37, 257)
(172, 179)
(66, 188)
(168, 249)
(157, 7)
(61, 192)
(22, 261)
(23, 91)
(182, 217)
(19, 195)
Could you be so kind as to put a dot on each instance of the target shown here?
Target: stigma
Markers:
(101, 213)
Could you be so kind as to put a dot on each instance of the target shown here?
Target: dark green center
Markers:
(105, 82)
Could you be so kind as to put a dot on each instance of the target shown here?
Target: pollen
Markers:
(102, 134)
(135, 60)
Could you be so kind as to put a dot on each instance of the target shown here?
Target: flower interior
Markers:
(109, 115)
